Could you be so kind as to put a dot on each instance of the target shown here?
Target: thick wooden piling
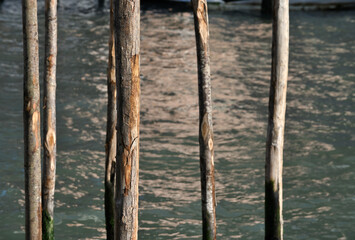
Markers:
(127, 33)
(276, 122)
(205, 122)
(32, 127)
(110, 147)
(49, 126)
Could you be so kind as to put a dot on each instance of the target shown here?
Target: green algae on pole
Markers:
(111, 136)
(127, 33)
(276, 121)
(31, 118)
(205, 122)
(49, 126)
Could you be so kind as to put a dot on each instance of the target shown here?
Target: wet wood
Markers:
(49, 123)
(205, 122)
(127, 27)
(276, 122)
(31, 111)
(111, 136)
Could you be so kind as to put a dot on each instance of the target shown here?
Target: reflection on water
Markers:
(319, 154)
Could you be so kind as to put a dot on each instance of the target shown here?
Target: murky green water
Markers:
(319, 178)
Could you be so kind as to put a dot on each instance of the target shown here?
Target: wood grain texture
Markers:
(276, 122)
(111, 136)
(127, 27)
(49, 123)
(31, 112)
(205, 120)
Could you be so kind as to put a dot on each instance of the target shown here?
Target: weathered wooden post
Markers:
(127, 32)
(49, 126)
(276, 122)
(205, 122)
(111, 136)
(32, 127)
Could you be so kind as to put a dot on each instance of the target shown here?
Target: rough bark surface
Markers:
(49, 126)
(110, 163)
(276, 122)
(127, 27)
(205, 122)
(31, 110)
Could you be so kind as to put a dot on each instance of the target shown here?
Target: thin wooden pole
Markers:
(205, 122)
(49, 126)
(111, 133)
(32, 129)
(276, 122)
(127, 27)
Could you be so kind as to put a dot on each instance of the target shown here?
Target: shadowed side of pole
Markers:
(111, 137)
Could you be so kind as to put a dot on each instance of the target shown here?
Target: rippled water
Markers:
(319, 149)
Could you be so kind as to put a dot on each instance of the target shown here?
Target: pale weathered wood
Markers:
(205, 122)
(111, 136)
(276, 122)
(32, 127)
(127, 27)
(49, 123)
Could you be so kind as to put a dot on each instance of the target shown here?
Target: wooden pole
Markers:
(32, 129)
(205, 122)
(49, 126)
(111, 133)
(127, 27)
(276, 122)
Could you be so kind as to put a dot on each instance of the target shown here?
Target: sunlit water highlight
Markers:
(319, 149)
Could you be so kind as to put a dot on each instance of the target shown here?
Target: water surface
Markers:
(319, 155)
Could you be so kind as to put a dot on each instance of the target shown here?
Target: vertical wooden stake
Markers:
(32, 127)
(127, 27)
(111, 133)
(205, 115)
(49, 126)
(276, 122)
